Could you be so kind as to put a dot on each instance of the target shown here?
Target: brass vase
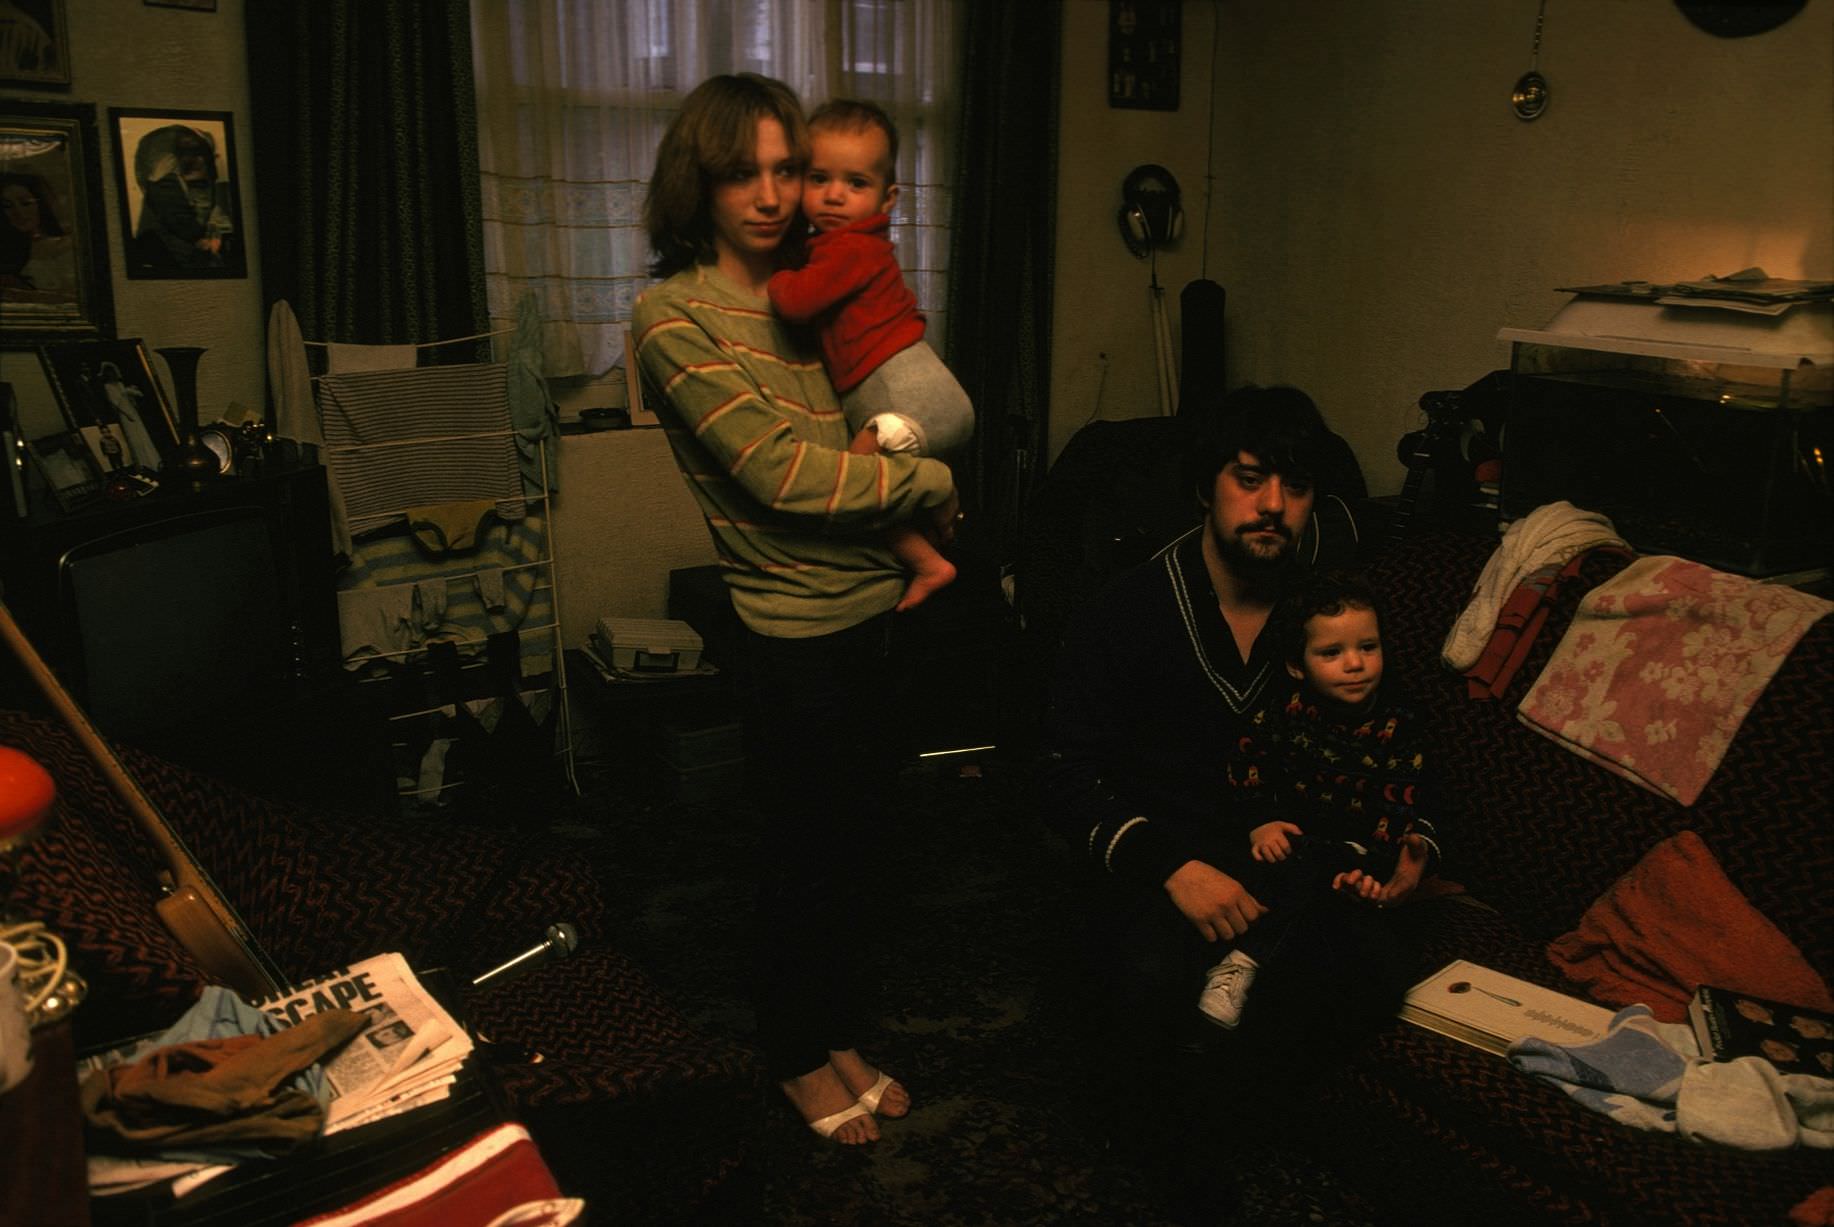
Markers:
(192, 462)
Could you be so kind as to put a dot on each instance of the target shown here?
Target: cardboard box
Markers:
(649, 645)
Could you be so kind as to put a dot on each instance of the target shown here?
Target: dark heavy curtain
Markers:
(366, 167)
(1004, 243)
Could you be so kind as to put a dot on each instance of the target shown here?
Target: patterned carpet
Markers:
(982, 1029)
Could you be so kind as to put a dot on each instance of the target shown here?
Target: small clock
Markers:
(220, 441)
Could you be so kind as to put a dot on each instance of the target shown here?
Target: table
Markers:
(42, 1181)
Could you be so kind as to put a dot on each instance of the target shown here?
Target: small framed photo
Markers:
(1143, 53)
(181, 195)
(111, 402)
(69, 472)
(54, 279)
(34, 44)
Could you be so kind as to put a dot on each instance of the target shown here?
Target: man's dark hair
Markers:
(1326, 594)
(1278, 426)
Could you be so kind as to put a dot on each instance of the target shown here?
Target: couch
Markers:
(1438, 1130)
(1430, 1129)
(631, 1105)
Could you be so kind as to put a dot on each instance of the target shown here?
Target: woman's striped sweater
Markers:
(758, 432)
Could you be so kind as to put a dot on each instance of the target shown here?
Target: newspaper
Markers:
(408, 1053)
(407, 1056)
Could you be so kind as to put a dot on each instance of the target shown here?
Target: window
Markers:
(574, 96)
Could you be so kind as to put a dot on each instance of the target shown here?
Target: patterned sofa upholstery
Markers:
(631, 1105)
(1443, 1132)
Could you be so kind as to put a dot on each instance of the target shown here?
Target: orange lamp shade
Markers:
(26, 794)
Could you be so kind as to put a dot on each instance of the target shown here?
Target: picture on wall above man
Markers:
(181, 209)
(54, 281)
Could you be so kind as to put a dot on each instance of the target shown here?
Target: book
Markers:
(1730, 1025)
(1487, 1009)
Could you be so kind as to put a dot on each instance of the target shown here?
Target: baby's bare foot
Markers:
(926, 582)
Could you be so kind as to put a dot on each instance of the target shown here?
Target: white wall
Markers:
(1101, 303)
(128, 54)
(623, 519)
(1382, 212)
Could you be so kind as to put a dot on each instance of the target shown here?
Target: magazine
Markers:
(1489, 1010)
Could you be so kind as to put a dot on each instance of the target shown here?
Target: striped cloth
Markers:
(502, 583)
(398, 441)
(759, 434)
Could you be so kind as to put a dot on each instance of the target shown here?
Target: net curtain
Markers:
(574, 96)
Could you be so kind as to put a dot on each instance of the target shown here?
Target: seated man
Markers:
(1158, 680)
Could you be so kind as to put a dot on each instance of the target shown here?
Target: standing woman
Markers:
(758, 432)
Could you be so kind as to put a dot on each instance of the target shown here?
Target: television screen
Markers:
(179, 624)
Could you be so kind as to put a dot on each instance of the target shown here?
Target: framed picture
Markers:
(34, 43)
(1143, 41)
(181, 208)
(111, 402)
(13, 458)
(64, 463)
(54, 278)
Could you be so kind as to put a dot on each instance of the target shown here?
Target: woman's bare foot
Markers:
(860, 1077)
(822, 1093)
(935, 574)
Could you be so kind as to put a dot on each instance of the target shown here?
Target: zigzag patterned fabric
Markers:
(1558, 831)
(623, 1073)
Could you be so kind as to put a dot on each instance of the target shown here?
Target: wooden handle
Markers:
(224, 948)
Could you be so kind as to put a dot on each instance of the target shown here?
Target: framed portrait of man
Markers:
(34, 44)
(181, 195)
(54, 281)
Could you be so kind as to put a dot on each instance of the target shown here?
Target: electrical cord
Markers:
(43, 960)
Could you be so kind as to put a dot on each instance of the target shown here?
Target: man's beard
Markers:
(1250, 562)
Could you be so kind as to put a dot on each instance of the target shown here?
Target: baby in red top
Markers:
(897, 394)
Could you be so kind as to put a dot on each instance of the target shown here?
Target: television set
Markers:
(190, 623)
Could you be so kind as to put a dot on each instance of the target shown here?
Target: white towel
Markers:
(289, 381)
(1549, 535)
(1747, 1103)
(1650, 1075)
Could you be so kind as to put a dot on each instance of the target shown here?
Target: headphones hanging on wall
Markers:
(1150, 216)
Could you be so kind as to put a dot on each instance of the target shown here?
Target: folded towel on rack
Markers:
(445, 528)
(408, 439)
(489, 582)
(341, 358)
(430, 603)
(531, 407)
(373, 620)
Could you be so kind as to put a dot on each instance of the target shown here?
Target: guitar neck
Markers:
(236, 961)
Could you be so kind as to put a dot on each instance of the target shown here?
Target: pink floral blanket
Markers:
(1660, 667)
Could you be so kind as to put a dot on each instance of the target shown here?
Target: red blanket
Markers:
(1673, 923)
